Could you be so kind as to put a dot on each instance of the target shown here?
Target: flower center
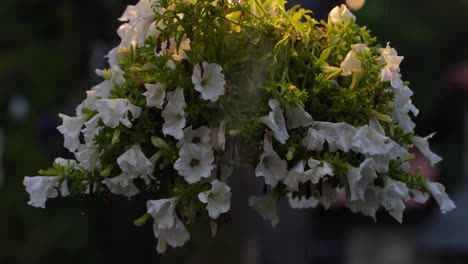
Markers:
(196, 140)
(194, 163)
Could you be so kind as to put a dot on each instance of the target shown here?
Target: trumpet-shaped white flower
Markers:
(208, 80)
(351, 62)
(318, 169)
(340, 14)
(393, 195)
(200, 135)
(112, 77)
(314, 140)
(266, 207)
(391, 71)
(275, 121)
(338, 135)
(195, 162)
(121, 184)
(88, 103)
(70, 129)
(297, 116)
(115, 111)
(369, 205)
(88, 156)
(40, 188)
(302, 202)
(218, 199)
(155, 95)
(174, 114)
(423, 145)
(438, 192)
(163, 212)
(134, 163)
(360, 179)
(370, 139)
(139, 17)
(403, 106)
(329, 194)
(91, 129)
(295, 176)
(176, 236)
(271, 166)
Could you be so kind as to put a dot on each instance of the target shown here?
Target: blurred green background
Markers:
(48, 52)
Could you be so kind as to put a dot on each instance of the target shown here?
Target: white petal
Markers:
(266, 207)
(209, 81)
(275, 121)
(302, 202)
(423, 145)
(218, 199)
(438, 192)
(155, 95)
(297, 116)
(271, 166)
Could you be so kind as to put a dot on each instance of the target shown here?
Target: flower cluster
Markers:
(198, 86)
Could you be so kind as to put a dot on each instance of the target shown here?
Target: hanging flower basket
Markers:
(198, 87)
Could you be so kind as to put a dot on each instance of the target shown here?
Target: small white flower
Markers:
(88, 156)
(391, 71)
(88, 103)
(176, 236)
(297, 116)
(70, 129)
(103, 89)
(163, 212)
(329, 194)
(338, 135)
(302, 202)
(295, 176)
(340, 14)
(208, 80)
(275, 121)
(423, 145)
(271, 166)
(40, 188)
(351, 62)
(403, 106)
(393, 195)
(218, 199)
(266, 207)
(200, 135)
(121, 184)
(438, 192)
(369, 205)
(174, 114)
(134, 163)
(155, 95)
(318, 169)
(139, 17)
(314, 140)
(115, 111)
(91, 129)
(195, 162)
(360, 179)
(370, 139)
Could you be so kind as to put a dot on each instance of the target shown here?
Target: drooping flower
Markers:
(208, 80)
(403, 106)
(218, 199)
(115, 111)
(200, 135)
(341, 14)
(91, 129)
(139, 17)
(394, 193)
(391, 71)
(70, 129)
(318, 169)
(438, 192)
(163, 212)
(338, 135)
(360, 179)
(275, 121)
(40, 188)
(369, 205)
(121, 184)
(351, 63)
(423, 145)
(302, 202)
(314, 140)
(195, 162)
(88, 156)
(134, 163)
(174, 114)
(295, 176)
(297, 116)
(371, 139)
(266, 207)
(271, 166)
(155, 95)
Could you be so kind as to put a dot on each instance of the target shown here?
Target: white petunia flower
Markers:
(200, 135)
(314, 140)
(208, 80)
(393, 194)
(266, 207)
(195, 162)
(275, 121)
(418, 196)
(360, 179)
(88, 156)
(423, 145)
(297, 116)
(121, 184)
(318, 169)
(155, 95)
(295, 176)
(163, 212)
(88, 103)
(271, 166)
(40, 188)
(340, 14)
(115, 111)
(135, 164)
(369, 205)
(176, 236)
(391, 71)
(351, 63)
(112, 77)
(329, 194)
(438, 192)
(139, 17)
(70, 129)
(370, 139)
(91, 129)
(174, 114)
(302, 202)
(338, 135)
(218, 199)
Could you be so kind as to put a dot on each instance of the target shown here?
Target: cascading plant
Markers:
(198, 86)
